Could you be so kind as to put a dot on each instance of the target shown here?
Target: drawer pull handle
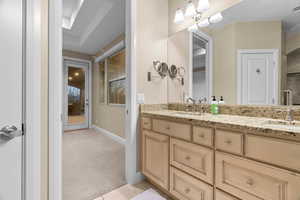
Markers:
(146, 123)
(187, 190)
(202, 136)
(250, 182)
(228, 142)
(168, 128)
(188, 158)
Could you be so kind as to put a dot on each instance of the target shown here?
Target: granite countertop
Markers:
(255, 125)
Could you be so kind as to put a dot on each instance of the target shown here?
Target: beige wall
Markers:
(151, 44)
(178, 54)
(74, 54)
(224, 56)
(44, 105)
(292, 42)
(108, 117)
(293, 62)
(216, 6)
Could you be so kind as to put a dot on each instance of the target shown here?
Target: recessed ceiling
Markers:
(264, 10)
(97, 23)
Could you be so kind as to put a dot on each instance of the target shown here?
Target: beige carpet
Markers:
(93, 165)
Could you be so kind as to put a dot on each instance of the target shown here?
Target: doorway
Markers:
(76, 94)
(258, 77)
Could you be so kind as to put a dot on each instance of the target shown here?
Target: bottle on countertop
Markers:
(214, 108)
(221, 100)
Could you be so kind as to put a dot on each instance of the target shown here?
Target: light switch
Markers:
(140, 98)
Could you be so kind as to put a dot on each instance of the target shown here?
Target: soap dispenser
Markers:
(214, 108)
(221, 100)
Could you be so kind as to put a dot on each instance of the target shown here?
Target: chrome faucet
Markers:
(289, 103)
(190, 99)
(193, 101)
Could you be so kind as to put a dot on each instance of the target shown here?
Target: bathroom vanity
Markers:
(222, 157)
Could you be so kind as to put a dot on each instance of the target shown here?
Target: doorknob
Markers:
(9, 132)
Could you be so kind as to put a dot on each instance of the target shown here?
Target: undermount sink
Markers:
(186, 113)
(283, 123)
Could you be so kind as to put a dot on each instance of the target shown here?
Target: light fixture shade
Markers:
(190, 10)
(216, 18)
(203, 23)
(203, 5)
(179, 16)
(193, 28)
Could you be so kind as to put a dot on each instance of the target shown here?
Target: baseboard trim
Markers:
(110, 134)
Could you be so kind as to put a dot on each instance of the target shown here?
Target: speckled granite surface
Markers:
(253, 125)
(274, 112)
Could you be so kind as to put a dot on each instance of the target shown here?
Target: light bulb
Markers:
(203, 23)
(179, 17)
(203, 5)
(193, 28)
(216, 18)
(190, 10)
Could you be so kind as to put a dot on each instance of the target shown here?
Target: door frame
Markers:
(275, 53)
(76, 63)
(34, 44)
(55, 98)
(209, 63)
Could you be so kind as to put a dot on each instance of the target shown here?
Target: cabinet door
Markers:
(156, 158)
(251, 180)
(186, 187)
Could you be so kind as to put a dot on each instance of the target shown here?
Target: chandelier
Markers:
(196, 14)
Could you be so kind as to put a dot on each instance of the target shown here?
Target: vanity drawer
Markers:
(203, 135)
(146, 123)
(255, 181)
(229, 141)
(193, 159)
(279, 152)
(178, 130)
(222, 196)
(185, 187)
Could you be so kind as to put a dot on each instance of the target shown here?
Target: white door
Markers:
(258, 79)
(11, 141)
(76, 89)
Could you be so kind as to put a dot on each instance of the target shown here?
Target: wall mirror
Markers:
(249, 53)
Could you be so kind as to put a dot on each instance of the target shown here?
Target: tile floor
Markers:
(128, 191)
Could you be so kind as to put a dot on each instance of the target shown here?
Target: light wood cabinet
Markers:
(203, 135)
(223, 196)
(193, 159)
(146, 123)
(185, 187)
(199, 163)
(155, 161)
(182, 131)
(275, 151)
(229, 141)
(255, 181)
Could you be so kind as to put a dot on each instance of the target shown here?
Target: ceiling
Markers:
(264, 10)
(95, 24)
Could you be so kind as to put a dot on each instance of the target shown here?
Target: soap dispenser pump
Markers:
(214, 108)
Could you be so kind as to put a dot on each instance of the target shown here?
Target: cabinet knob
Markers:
(187, 190)
(228, 142)
(188, 158)
(250, 182)
(168, 127)
(202, 136)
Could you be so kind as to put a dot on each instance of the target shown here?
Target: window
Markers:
(101, 72)
(116, 78)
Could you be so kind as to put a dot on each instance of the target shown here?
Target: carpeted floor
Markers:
(93, 164)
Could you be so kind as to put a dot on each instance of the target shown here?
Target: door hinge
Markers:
(23, 129)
